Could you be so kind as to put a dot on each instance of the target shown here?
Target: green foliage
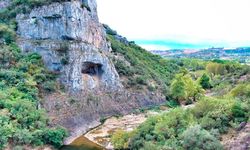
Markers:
(239, 112)
(241, 91)
(178, 90)
(216, 68)
(120, 139)
(122, 68)
(194, 90)
(49, 86)
(163, 130)
(141, 67)
(190, 128)
(6, 34)
(172, 103)
(54, 136)
(183, 88)
(21, 79)
(191, 64)
(173, 123)
(195, 138)
(214, 113)
(205, 81)
(109, 30)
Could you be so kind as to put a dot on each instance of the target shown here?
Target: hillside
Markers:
(53, 73)
(219, 115)
(241, 55)
(63, 73)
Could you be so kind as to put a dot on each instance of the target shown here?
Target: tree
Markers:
(205, 81)
(178, 90)
(193, 89)
(216, 68)
(183, 88)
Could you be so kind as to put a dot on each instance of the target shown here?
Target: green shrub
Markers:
(162, 129)
(239, 112)
(6, 34)
(22, 137)
(54, 137)
(241, 91)
(120, 139)
(141, 80)
(172, 103)
(122, 68)
(197, 138)
(214, 113)
(49, 86)
(205, 81)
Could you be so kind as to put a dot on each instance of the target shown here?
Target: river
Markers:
(99, 138)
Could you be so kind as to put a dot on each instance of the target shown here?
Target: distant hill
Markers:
(241, 54)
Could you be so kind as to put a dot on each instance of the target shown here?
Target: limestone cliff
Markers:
(73, 44)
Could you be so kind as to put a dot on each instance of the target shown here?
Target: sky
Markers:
(170, 24)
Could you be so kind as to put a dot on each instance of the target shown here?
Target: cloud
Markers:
(218, 22)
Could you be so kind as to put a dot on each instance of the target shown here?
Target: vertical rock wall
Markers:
(73, 43)
(68, 35)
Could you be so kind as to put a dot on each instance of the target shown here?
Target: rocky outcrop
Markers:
(115, 35)
(4, 4)
(73, 44)
(240, 140)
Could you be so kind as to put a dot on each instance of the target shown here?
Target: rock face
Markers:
(4, 4)
(73, 44)
(239, 141)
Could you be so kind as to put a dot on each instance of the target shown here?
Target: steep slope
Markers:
(74, 46)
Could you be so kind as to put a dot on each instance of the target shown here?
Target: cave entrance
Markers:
(92, 69)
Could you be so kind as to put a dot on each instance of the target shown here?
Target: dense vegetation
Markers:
(220, 90)
(141, 69)
(23, 79)
(196, 128)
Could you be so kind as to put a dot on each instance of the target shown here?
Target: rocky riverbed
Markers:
(102, 134)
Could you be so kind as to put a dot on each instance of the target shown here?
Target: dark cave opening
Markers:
(92, 69)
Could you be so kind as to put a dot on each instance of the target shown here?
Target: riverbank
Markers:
(102, 134)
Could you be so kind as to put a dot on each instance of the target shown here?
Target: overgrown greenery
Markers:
(226, 105)
(184, 88)
(142, 68)
(23, 78)
(187, 129)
